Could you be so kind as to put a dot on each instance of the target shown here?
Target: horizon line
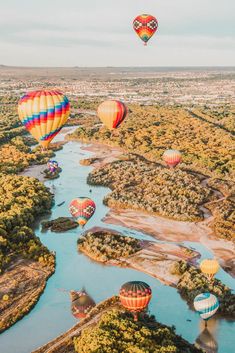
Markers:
(115, 67)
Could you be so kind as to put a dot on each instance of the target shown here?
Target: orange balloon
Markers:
(112, 113)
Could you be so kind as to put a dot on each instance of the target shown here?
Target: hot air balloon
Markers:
(82, 209)
(112, 113)
(172, 158)
(145, 26)
(52, 166)
(209, 267)
(206, 304)
(135, 296)
(44, 113)
(82, 303)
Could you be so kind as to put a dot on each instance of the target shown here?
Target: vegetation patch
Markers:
(22, 200)
(104, 245)
(193, 282)
(59, 225)
(149, 130)
(139, 184)
(117, 332)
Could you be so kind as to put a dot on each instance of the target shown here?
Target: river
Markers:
(51, 316)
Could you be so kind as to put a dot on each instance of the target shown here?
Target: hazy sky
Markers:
(99, 33)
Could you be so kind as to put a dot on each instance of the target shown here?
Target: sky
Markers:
(99, 33)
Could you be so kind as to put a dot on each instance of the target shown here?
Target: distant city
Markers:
(171, 86)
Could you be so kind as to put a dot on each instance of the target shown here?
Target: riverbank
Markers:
(21, 286)
(64, 343)
(97, 329)
(154, 259)
(163, 228)
(172, 264)
(175, 231)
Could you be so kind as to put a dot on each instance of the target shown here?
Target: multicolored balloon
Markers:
(209, 267)
(112, 113)
(145, 26)
(172, 158)
(82, 209)
(135, 296)
(52, 166)
(44, 113)
(206, 304)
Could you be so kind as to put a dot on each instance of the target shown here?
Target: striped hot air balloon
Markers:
(145, 26)
(135, 296)
(44, 113)
(112, 113)
(206, 304)
(209, 267)
(82, 209)
(172, 158)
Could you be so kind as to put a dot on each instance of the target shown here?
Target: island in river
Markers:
(172, 264)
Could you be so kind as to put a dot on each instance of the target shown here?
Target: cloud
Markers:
(101, 32)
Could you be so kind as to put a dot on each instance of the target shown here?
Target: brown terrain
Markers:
(155, 259)
(24, 281)
(164, 228)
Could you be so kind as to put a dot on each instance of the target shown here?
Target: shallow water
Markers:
(51, 316)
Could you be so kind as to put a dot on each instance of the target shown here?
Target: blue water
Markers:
(51, 316)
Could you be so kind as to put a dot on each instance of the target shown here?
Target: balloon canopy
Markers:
(172, 158)
(112, 113)
(209, 267)
(206, 304)
(44, 113)
(145, 26)
(52, 165)
(135, 296)
(82, 209)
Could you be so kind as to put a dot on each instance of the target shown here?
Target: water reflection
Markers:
(207, 339)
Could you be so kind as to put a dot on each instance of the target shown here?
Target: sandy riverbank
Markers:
(164, 228)
(176, 231)
(154, 259)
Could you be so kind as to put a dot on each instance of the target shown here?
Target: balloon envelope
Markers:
(209, 267)
(145, 26)
(172, 158)
(135, 296)
(206, 304)
(52, 165)
(82, 209)
(112, 113)
(44, 113)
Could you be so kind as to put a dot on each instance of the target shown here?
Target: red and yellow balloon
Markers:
(135, 296)
(82, 209)
(44, 113)
(145, 26)
(112, 113)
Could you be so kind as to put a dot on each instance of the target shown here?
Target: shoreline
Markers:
(167, 228)
(27, 282)
(154, 259)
